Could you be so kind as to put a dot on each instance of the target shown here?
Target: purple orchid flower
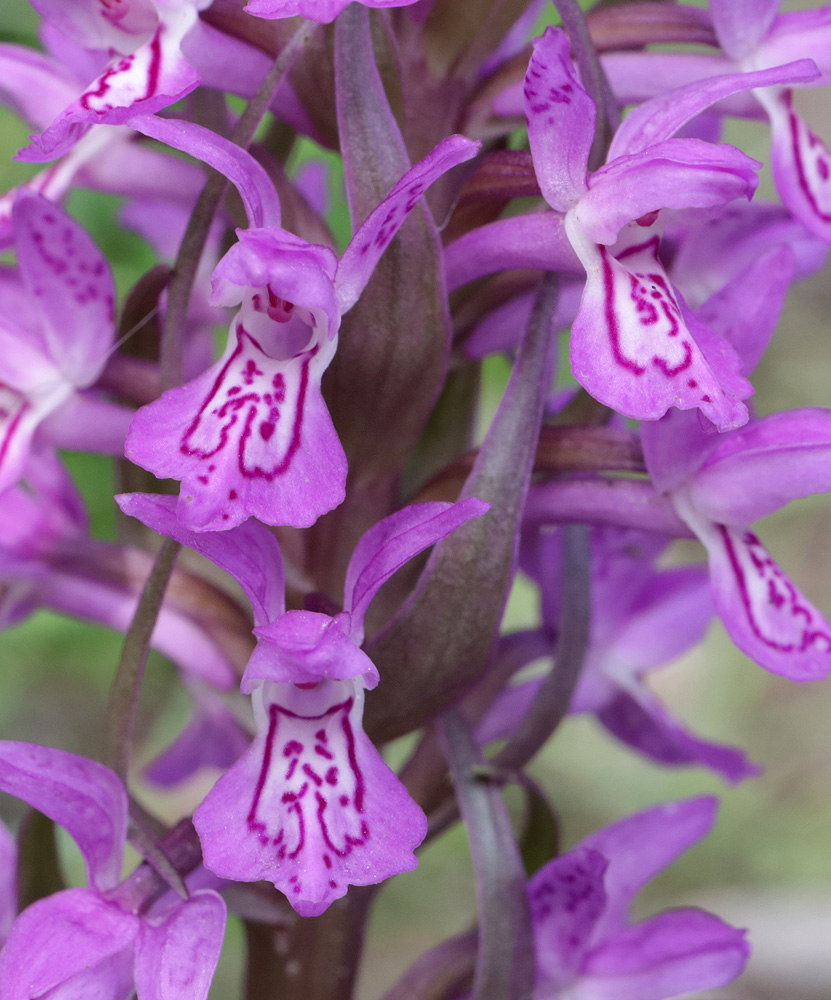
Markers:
(585, 947)
(252, 435)
(719, 485)
(631, 346)
(311, 806)
(38, 86)
(754, 37)
(56, 334)
(642, 618)
(88, 942)
(143, 68)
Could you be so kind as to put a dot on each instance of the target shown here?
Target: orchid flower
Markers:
(754, 36)
(56, 334)
(311, 806)
(630, 344)
(146, 70)
(585, 947)
(719, 485)
(642, 618)
(252, 435)
(89, 942)
(37, 86)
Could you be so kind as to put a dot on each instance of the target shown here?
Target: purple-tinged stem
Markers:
(505, 957)
(126, 685)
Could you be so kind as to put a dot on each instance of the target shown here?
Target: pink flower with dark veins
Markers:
(311, 805)
(145, 73)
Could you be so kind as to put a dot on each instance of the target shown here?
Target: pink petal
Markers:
(311, 807)
(250, 552)
(741, 24)
(322, 11)
(68, 277)
(676, 173)
(669, 829)
(762, 466)
(801, 163)
(566, 898)
(143, 81)
(373, 237)
(71, 934)
(392, 542)
(630, 347)
(212, 738)
(677, 952)
(643, 723)
(764, 613)
(84, 797)
(176, 956)
(251, 436)
(303, 647)
(561, 119)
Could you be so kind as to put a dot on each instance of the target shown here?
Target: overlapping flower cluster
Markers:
(331, 443)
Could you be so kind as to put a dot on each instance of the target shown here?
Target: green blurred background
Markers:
(767, 866)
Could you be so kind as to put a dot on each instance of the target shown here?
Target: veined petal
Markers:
(764, 613)
(177, 955)
(311, 806)
(372, 238)
(250, 436)
(669, 829)
(394, 541)
(249, 552)
(143, 81)
(677, 952)
(566, 897)
(762, 466)
(677, 173)
(84, 797)
(68, 277)
(630, 347)
(801, 163)
(561, 121)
